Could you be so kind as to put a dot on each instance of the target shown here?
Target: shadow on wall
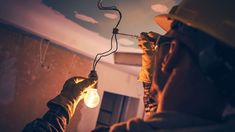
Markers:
(25, 84)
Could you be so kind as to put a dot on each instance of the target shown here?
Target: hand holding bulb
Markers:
(74, 90)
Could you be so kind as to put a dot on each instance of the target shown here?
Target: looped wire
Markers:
(114, 36)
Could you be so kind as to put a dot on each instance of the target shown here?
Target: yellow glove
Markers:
(72, 93)
(147, 42)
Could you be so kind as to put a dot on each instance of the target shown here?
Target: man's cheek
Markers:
(160, 77)
(156, 81)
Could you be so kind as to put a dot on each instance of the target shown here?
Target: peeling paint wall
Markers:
(32, 72)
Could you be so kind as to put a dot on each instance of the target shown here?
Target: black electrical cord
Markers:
(115, 32)
(104, 55)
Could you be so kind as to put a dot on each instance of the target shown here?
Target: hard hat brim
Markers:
(219, 24)
(164, 21)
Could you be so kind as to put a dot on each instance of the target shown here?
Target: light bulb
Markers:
(91, 98)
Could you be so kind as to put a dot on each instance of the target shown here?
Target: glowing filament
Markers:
(91, 98)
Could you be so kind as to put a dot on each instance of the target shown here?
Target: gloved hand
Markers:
(147, 42)
(72, 93)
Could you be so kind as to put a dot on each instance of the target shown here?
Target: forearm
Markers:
(150, 103)
(55, 120)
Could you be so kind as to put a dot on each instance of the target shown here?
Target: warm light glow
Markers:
(91, 98)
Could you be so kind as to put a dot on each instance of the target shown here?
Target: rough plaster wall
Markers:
(26, 86)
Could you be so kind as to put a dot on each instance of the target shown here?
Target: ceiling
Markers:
(80, 26)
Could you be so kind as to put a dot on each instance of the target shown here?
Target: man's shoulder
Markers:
(172, 121)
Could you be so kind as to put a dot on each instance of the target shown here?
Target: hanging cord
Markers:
(114, 35)
(42, 56)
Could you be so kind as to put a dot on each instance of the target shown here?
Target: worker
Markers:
(192, 71)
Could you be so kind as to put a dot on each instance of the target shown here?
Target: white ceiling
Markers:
(80, 26)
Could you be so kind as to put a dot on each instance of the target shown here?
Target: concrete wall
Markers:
(26, 85)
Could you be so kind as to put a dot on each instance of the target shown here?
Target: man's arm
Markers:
(147, 42)
(55, 120)
(62, 107)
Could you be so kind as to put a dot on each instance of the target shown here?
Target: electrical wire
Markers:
(104, 55)
(99, 56)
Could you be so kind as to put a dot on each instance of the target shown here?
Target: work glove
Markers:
(147, 42)
(72, 92)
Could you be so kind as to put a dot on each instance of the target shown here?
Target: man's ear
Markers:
(170, 59)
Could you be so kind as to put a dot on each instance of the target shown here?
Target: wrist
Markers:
(69, 105)
(57, 110)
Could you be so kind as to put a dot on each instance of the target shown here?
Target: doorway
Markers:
(116, 108)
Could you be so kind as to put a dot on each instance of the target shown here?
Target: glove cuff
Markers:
(67, 104)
